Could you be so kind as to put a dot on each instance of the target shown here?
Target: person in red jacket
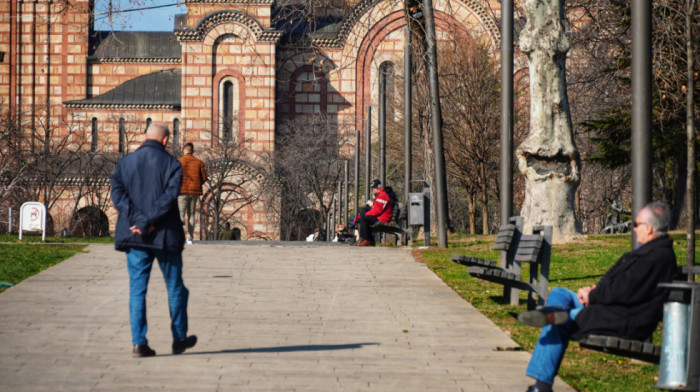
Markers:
(382, 209)
(193, 177)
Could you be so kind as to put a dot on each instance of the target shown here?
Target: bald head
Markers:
(158, 131)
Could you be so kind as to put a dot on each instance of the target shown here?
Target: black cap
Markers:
(375, 184)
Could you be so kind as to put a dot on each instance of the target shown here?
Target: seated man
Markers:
(226, 234)
(626, 302)
(381, 211)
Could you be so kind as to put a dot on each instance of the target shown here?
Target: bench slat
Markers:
(504, 237)
(636, 349)
(500, 276)
(527, 255)
(473, 261)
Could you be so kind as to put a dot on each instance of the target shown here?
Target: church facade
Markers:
(232, 73)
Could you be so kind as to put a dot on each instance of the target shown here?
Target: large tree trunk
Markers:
(548, 157)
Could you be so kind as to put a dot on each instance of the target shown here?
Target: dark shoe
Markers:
(543, 317)
(181, 346)
(142, 350)
(535, 388)
(364, 243)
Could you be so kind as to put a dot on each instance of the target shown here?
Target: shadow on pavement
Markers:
(284, 349)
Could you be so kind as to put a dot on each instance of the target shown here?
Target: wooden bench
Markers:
(403, 237)
(534, 249)
(644, 351)
(506, 242)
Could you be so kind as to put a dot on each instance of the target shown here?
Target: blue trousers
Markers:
(139, 263)
(554, 339)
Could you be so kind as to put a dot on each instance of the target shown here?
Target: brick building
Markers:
(232, 73)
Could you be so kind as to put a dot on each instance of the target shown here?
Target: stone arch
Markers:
(237, 210)
(367, 50)
(365, 8)
(214, 21)
(89, 221)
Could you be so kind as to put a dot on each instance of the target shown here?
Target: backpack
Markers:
(395, 209)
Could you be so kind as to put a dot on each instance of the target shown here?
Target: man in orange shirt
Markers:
(193, 177)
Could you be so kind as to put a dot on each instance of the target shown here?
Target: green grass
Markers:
(32, 238)
(20, 261)
(572, 266)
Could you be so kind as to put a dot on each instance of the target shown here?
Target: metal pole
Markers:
(346, 167)
(333, 206)
(436, 124)
(506, 110)
(9, 223)
(356, 178)
(426, 214)
(641, 107)
(382, 126)
(690, 126)
(368, 153)
(341, 203)
(407, 115)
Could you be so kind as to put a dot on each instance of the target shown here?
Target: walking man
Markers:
(193, 177)
(145, 186)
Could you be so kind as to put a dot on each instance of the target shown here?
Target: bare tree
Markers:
(231, 186)
(471, 96)
(308, 167)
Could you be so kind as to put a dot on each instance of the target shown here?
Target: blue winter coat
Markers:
(145, 186)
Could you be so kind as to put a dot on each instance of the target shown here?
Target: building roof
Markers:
(158, 90)
(134, 45)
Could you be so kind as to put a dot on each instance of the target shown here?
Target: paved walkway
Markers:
(268, 317)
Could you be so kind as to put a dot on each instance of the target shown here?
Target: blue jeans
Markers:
(139, 263)
(549, 351)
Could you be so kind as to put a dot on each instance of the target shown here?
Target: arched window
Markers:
(228, 108)
(93, 146)
(176, 132)
(148, 124)
(122, 136)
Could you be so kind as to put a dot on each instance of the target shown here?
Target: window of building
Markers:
(228, 108)
(176, 132)
(122, 136)
(93, 145)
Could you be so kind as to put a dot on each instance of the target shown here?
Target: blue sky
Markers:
(135, 15)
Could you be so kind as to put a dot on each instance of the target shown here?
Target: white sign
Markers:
(32, 217)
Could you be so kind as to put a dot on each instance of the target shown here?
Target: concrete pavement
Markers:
(268, 318)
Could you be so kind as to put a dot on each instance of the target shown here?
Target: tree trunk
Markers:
(484, 199)
(472, 212)
(429, 169)
(548, 158)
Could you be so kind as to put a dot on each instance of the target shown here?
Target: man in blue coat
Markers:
(626, 302)
(145, 186)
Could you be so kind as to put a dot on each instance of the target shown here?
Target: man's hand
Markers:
(135, 230)
(583, 293)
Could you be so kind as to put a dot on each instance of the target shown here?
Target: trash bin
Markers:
(416, 209)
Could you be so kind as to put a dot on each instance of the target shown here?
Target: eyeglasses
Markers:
(637, 224)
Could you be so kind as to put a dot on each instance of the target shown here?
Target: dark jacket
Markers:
(145, 186)
(627, 302)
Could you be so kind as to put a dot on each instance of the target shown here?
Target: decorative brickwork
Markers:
(238, 82)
